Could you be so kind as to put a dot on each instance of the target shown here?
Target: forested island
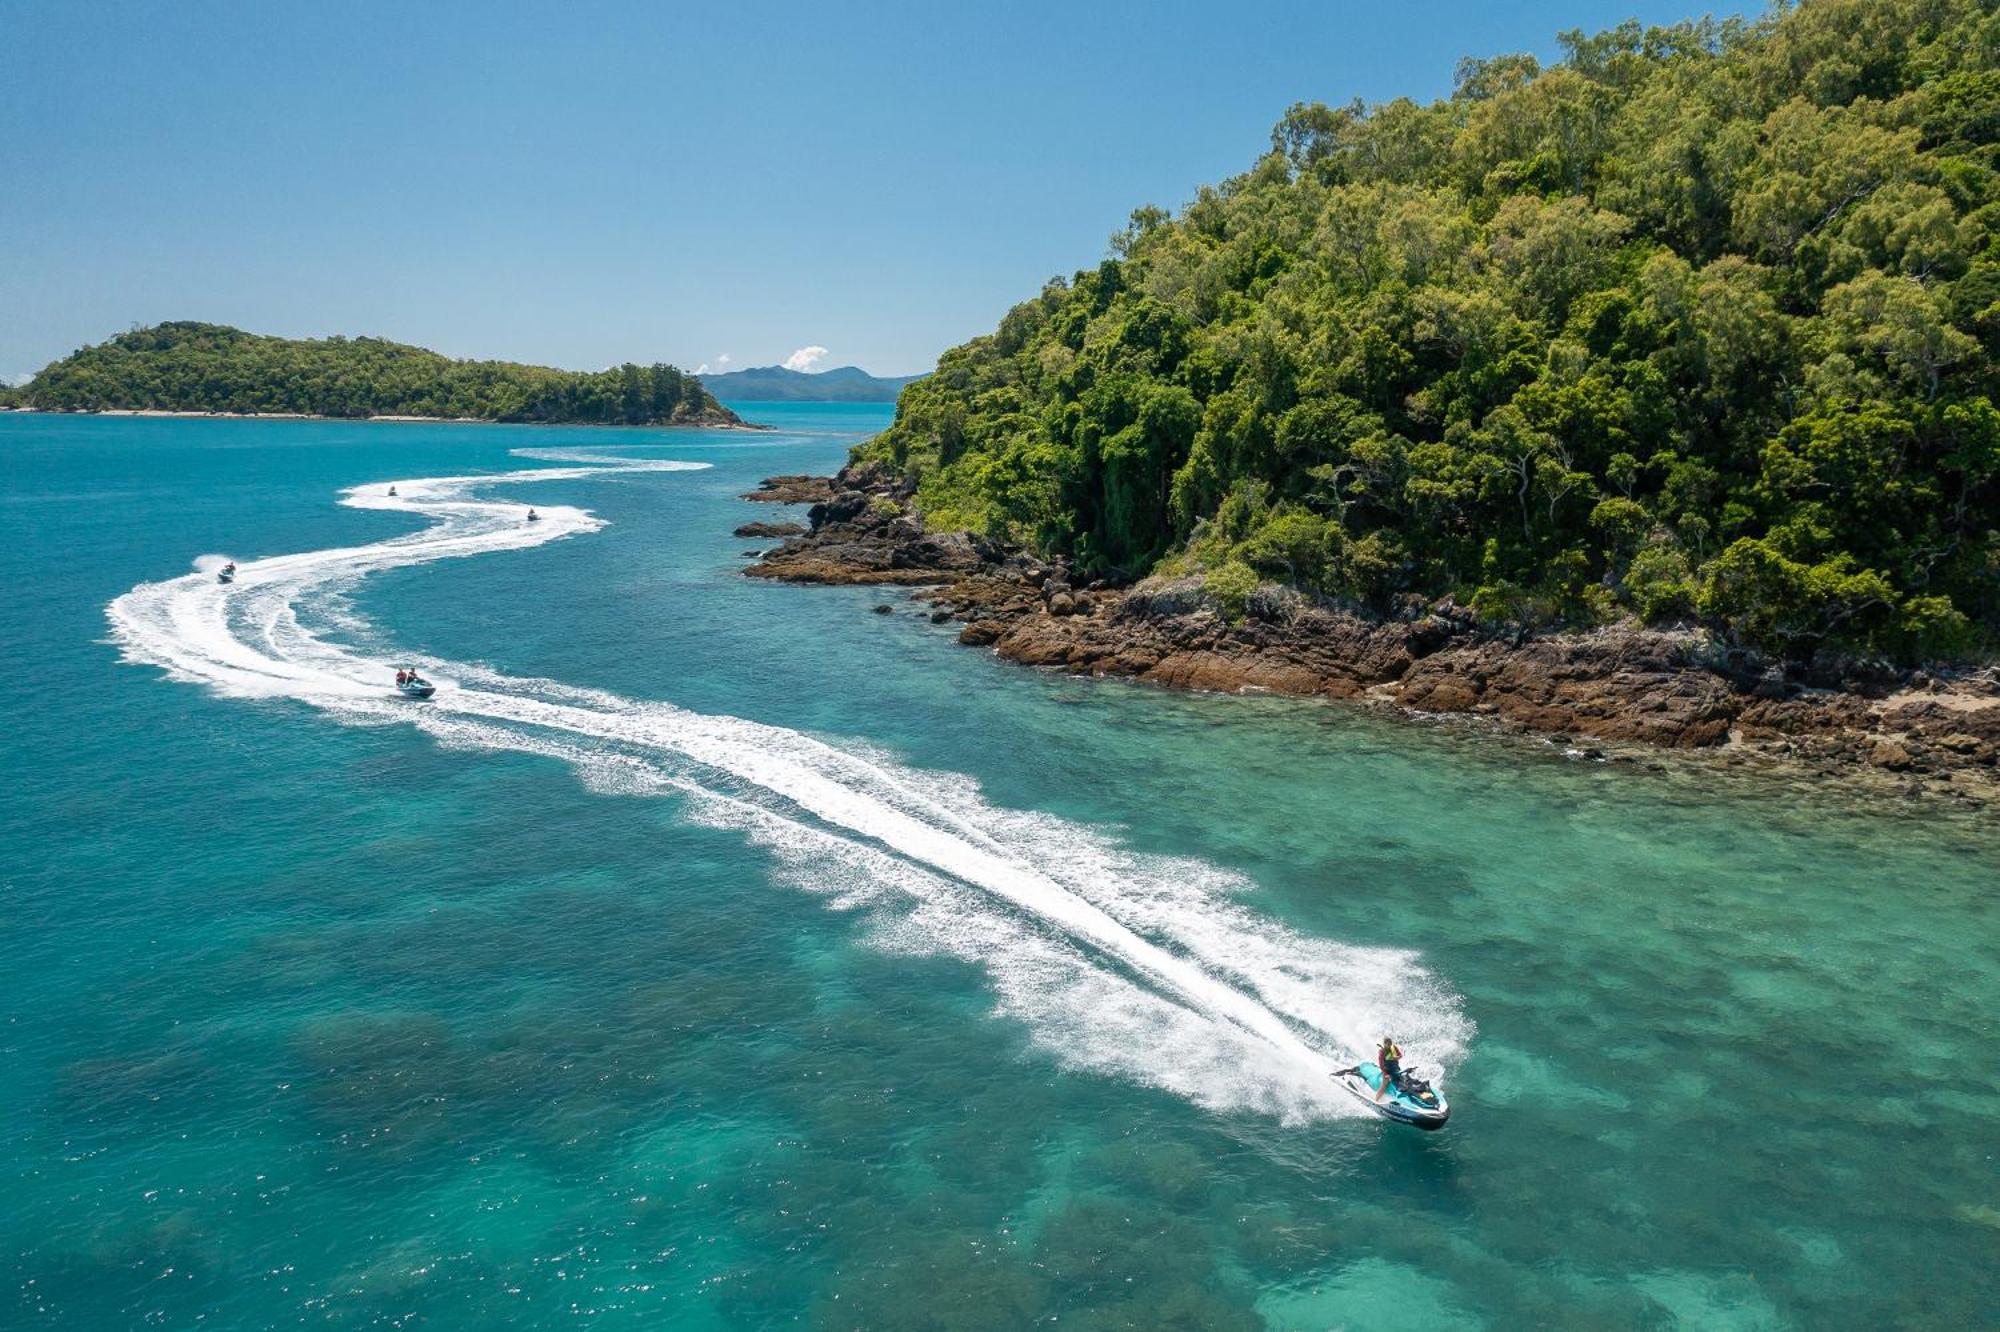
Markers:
(1696, 325)
(195, 367)
(1643, 397)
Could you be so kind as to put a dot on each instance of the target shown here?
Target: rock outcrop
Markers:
(863, 532)
(792, 490)
(772, 530)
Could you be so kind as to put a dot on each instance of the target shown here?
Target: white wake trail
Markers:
(1143, 967)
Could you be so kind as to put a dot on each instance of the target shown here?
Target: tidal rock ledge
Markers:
(792, 490)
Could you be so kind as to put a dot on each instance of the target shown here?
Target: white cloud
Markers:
(805, 358)
(724, 359)
(721, 364)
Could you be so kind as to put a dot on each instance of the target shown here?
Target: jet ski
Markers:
(227, 573)
(1411, 1100)
(392, 492)
(413, 685)
(534, 517)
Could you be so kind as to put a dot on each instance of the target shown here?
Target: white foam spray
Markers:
(1142, 967)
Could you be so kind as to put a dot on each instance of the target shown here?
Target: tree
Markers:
(1901, 323)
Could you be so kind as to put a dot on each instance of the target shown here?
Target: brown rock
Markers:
(1890, 755)
(1449, 694)
(792, 490)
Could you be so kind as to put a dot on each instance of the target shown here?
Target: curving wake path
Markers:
(1135, 966)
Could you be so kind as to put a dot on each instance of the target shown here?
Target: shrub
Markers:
(1660, 584)
(1622, 522)
(1932, 629)
(1506, 603)
(1294, 544)
(1787, 605)
(1230, 588)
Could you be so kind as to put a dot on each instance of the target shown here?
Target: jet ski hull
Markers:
(424, 690)
(1364, 1080)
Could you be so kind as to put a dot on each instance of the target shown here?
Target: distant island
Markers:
(195, 367)
(774, 383)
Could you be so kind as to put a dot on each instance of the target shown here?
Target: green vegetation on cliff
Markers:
(1700, 322)
(193, 367)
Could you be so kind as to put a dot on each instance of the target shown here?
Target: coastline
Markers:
(426, 420)
(1618, 693)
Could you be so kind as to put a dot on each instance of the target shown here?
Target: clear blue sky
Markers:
(593, 181)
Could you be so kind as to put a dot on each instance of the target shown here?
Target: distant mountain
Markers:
(774, 383)
(196, 367)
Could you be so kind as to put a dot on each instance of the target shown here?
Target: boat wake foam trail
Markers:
(1143, 967)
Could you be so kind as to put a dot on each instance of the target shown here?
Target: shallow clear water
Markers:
(724, 954)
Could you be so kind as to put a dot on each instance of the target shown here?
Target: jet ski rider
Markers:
(1389, 1058)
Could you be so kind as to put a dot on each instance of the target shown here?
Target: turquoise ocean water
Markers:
(716, 954)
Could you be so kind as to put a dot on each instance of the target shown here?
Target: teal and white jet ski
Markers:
(1410, 1100)
(411, 685)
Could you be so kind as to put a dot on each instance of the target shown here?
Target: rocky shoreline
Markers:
(1617, 692)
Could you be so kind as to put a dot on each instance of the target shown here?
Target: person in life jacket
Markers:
(1389, 1058)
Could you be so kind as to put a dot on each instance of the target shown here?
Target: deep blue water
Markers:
(571, 1000)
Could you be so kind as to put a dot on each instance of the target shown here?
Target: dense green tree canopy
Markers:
(1699, 322)
(212, 368)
